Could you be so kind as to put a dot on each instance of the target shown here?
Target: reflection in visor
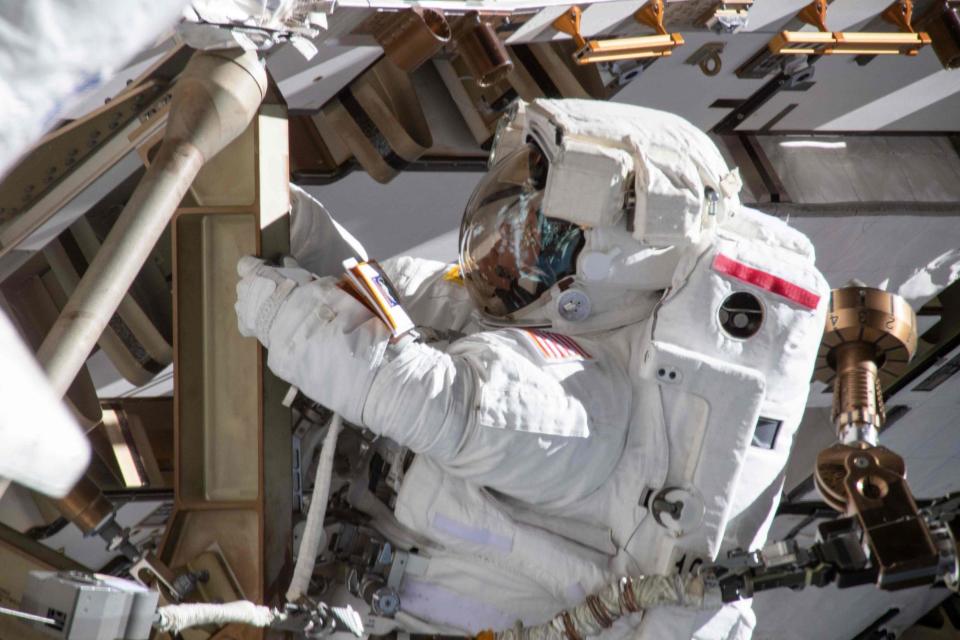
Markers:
(510, 251)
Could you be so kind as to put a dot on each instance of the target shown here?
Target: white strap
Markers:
(731, 184)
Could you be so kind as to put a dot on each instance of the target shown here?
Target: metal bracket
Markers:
(900, 15)
(148, 568)
(593, 51)
(397, 568)
(651, 14)
(815, 14)
(824, 42)
(707, 58)
(569, 23)
(319, 620)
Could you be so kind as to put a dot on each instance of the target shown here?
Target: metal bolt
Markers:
(385, 601)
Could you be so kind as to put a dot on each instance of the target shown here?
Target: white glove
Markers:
(329, 345)
(261, 291)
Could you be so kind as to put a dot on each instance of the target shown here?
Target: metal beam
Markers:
(213, 102)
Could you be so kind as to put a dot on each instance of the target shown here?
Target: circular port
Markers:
(741, 315)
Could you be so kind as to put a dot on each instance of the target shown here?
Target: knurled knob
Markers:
(874, 317)
(869, 338)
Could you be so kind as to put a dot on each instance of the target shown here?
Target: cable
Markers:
(177, 617)
(600, 610)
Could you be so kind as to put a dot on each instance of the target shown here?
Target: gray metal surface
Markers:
(87, 607)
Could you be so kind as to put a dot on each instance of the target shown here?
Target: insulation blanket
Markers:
(53, 52)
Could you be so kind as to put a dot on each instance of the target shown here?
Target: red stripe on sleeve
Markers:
(767, 281)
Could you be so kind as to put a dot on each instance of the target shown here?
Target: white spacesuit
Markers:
(635, 359)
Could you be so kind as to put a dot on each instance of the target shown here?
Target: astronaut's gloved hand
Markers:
(319, 338)
(260, 292)
(329, 345)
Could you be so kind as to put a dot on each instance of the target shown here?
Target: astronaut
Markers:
(608, 383)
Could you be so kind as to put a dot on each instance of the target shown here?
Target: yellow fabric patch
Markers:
(452, 274)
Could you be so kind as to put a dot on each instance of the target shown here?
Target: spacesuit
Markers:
(608, 383)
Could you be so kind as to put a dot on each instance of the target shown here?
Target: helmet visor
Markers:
(510, 250)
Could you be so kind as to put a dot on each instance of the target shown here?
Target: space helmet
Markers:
(582, 216)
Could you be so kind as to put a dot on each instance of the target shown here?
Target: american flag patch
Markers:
(554, 347)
